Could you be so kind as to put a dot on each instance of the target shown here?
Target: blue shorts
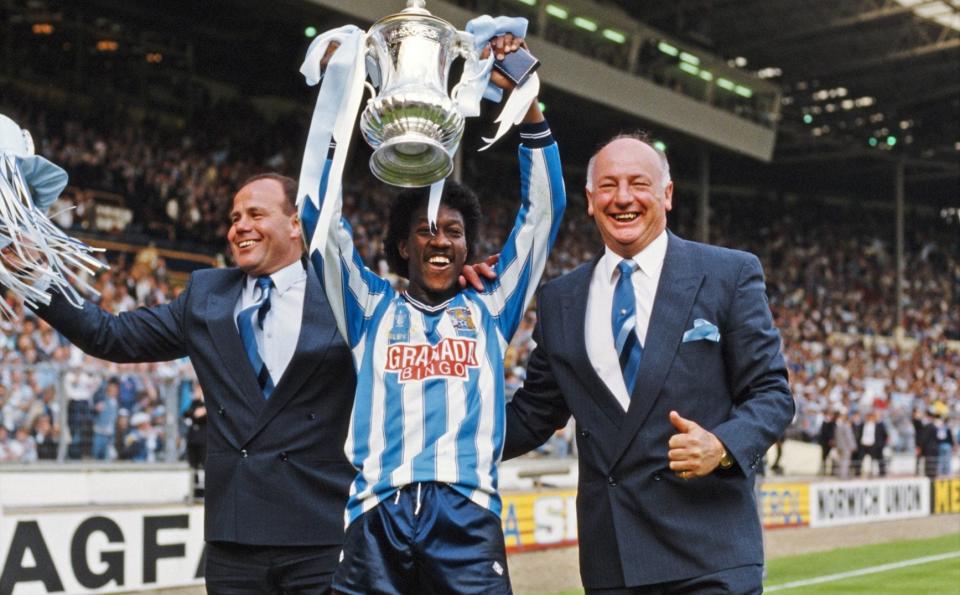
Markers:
(428, 538)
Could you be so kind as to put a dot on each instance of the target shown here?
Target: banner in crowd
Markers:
(537, 520)
(847, 502)
(102, 551)
(785, 504)
(945, 496)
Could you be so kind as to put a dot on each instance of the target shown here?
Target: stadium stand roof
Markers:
(864, 83)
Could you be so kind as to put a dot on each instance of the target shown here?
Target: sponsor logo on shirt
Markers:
(450, 358)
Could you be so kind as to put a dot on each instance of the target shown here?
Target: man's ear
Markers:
(589, 201)
(297, 229)
(668, 197)
(402, 248)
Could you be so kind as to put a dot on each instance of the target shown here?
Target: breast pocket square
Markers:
(702, 331)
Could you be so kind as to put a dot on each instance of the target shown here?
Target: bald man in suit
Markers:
(665, 353)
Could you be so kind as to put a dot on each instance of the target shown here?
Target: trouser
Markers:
(743, 580)
(238, 569)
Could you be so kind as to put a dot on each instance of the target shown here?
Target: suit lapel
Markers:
(318, 331)
(574, 304)
(221, 303)
(680, 281)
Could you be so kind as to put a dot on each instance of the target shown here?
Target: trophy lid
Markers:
(415, 10)
(416, 7)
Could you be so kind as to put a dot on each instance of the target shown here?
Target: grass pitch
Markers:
(941, 576)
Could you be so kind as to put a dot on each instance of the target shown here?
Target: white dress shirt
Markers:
(869, 436)
(281, 326)
(599, 328)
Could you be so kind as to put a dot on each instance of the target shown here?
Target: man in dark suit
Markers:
(276, 475)
(856, 460)
(871, 440)
(664, 351)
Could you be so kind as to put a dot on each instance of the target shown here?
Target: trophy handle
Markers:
(464, 48)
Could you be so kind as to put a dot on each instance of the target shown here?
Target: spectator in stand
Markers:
(140, 443)
(920, 422)
(79, 385)
(22, 447)
(844, 444)
(47, 438)
(195, 418)
(5, 455)
(856, 460)
(946, 445)
(873, 440)
(826, 440)
(120, 435)
(930, 438)
(105, 406)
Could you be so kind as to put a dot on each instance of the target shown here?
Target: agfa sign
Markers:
(101, 551)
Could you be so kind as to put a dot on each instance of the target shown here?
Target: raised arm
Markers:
(353, 290)
(542, 202)
(142, 335)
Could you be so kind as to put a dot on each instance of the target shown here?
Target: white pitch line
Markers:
(862, 571)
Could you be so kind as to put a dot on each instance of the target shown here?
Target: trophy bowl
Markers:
(412, 124)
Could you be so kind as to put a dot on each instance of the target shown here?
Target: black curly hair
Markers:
(409, 205)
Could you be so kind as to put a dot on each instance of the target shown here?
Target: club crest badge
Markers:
(461, 319)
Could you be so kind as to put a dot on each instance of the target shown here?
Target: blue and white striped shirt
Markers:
(430, 402)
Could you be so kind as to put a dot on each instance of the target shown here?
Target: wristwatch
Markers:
(726, 461)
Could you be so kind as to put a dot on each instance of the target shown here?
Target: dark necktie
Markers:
(624, 319)
(248, 336)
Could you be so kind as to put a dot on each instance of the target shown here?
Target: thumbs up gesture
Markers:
(694, 452)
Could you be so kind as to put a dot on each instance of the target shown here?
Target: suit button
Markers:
(243, 453)
(221, 410)
(612, 481)
(283, 456)
(311, 416)
(584, 433)
(657, 476)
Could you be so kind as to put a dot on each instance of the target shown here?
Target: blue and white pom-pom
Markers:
(35, 255)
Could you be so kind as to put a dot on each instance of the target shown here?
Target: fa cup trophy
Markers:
(412, 124)
(411, 121)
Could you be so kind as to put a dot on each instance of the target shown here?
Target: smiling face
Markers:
(628, 200)
(434, 262)
(264, 233)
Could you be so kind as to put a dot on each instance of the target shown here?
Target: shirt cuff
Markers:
(536, 135)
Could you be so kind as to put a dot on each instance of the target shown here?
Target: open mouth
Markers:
(246, 244)
(439, 260)
(624, 217)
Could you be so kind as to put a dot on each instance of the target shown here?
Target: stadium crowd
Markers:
(50, 390)
(830, 279)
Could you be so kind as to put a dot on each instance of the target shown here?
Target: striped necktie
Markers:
(624, 319)
(249, 337)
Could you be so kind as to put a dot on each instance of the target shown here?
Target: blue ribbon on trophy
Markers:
(35, 255)
(412, 124)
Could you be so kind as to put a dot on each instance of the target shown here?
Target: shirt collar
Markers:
(283, 279)
(649, 260)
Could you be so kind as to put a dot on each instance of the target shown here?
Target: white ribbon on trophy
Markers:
(342, 89)
(35, 255)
